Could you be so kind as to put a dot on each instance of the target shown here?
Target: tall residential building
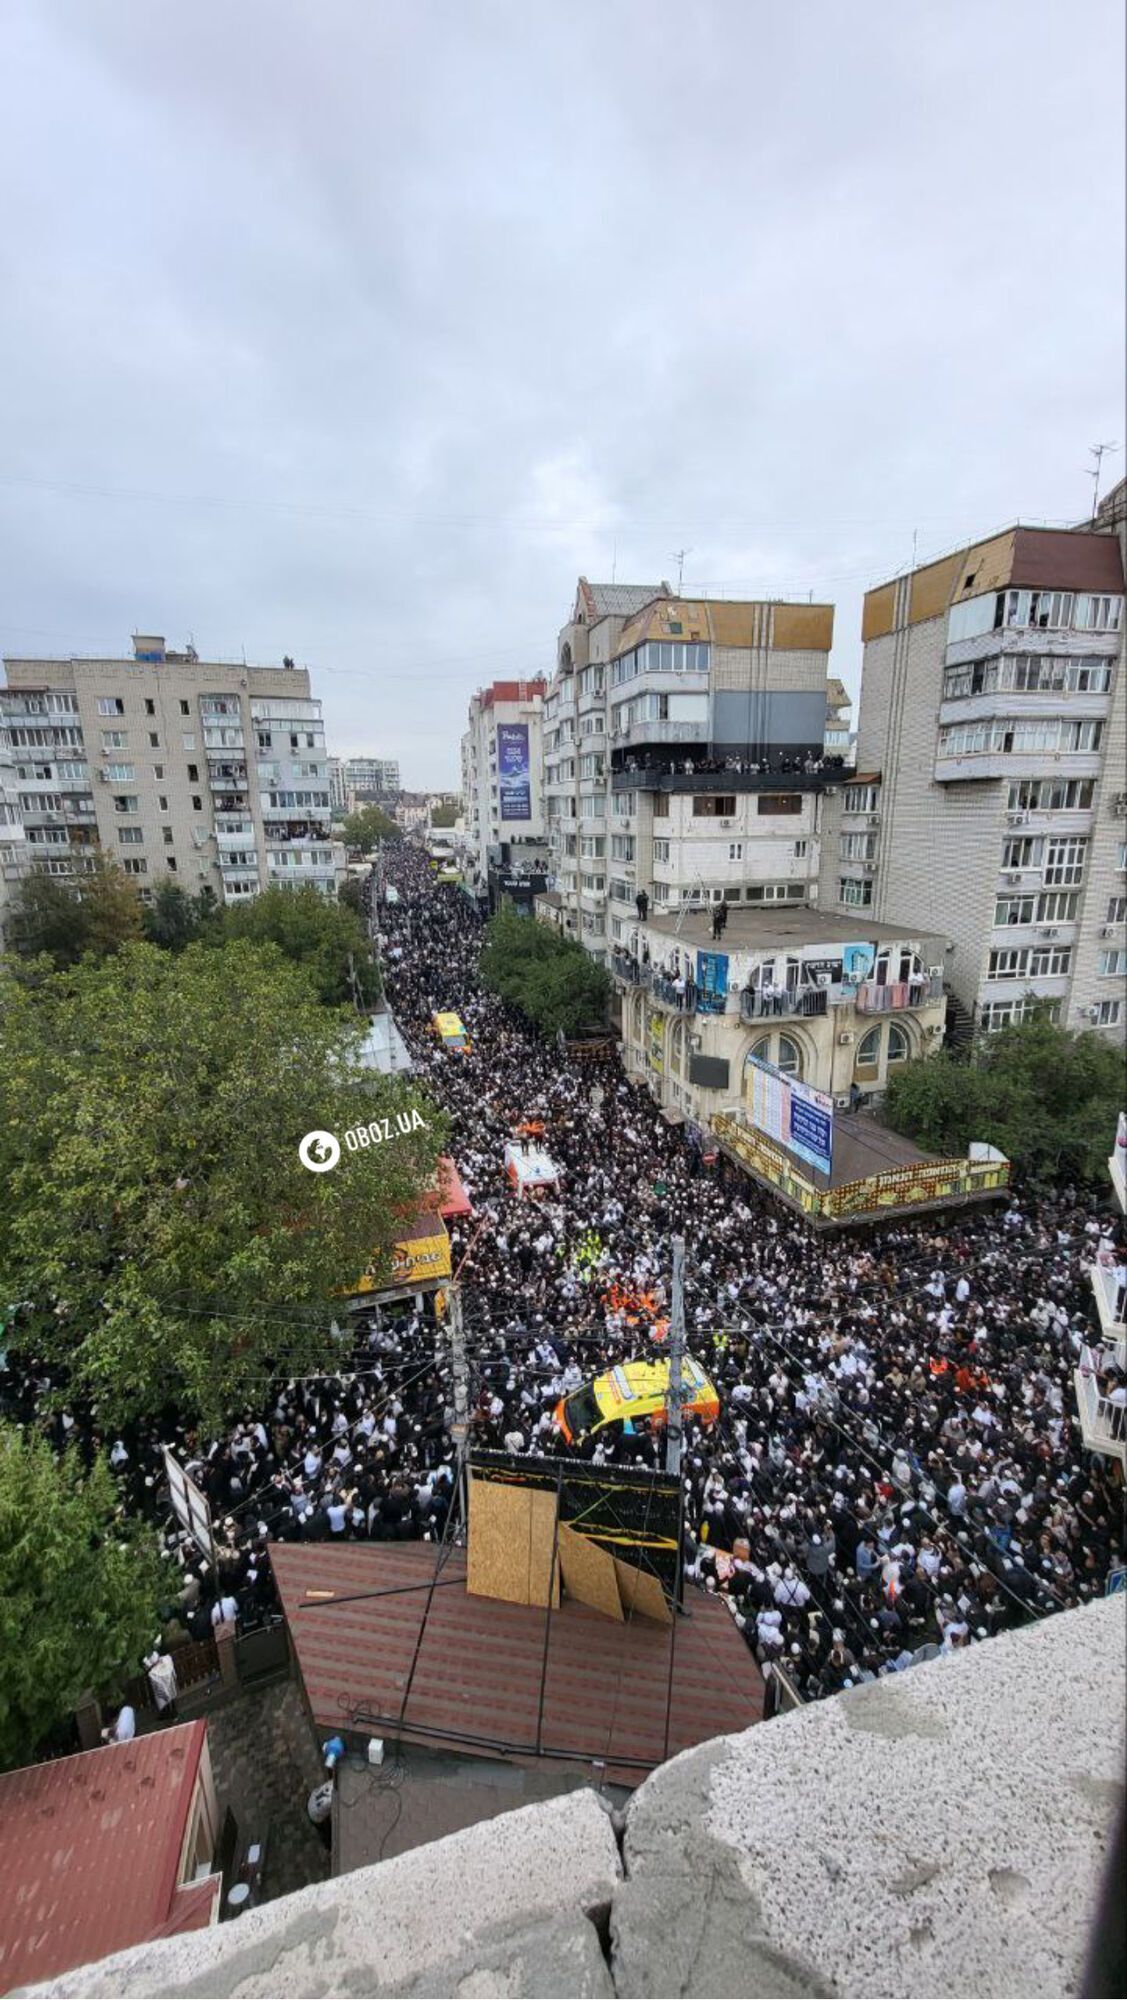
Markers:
(13, 841)
(990, 796)
(210, 773)
(684, 749)
(338, 797)
(502, 785)
(371, 777)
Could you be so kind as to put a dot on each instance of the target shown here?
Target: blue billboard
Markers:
(712, 982)
(514, 770)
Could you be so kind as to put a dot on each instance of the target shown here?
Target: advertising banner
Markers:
(514, 770)
(656, 1053)
(712, 982)
(857, 962)
(790, 1112)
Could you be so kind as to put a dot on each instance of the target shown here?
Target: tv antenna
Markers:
(679, 557)
(1097, 451)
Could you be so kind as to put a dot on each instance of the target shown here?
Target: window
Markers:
(857, 895)
(1113, 964)
(1019, 736)
(858, 846)
(860, 798)
(1121, 856)
(110, 704)
(197, 802)
(661, 850)
(1108, 1013)
(154, 740)
(1117, 910)
(1099, 614)
(778, 804)
(622, 847)
(187, 738)
(1050, 795)
(126, 803)
(1064, 861)
(133, 867)
(775, 892)
(62, 704)
(625, 803)
(162, 803)
(115, 739)
(150, 706)
(898, 1048)
(783, 1053)
(735, 850)
(1050, 961)
(167, 832)
(120, 774)
(184, 709)
(158, 770)
(1057, 907)
(1022, 853)
(712, 806)
(130, 836)
(800, 847)
(1008, 965)
(660, 804)
(172, 863)
(193, 774)
(868, 1050)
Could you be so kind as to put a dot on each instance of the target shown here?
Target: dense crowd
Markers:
(896, 1468)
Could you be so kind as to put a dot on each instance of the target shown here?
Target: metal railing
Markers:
(898, 995)
(1102, 1422)
(757, 1004)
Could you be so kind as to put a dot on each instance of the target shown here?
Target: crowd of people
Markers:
(896, 1469)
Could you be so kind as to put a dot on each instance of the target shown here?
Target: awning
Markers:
(452, 1196)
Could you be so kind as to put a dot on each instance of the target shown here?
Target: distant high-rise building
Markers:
(371, 777)
(502, 786)
(337, 792)
(989, 801)
(210, 774)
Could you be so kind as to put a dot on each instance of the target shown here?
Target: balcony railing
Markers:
(657, 983)
(898, 995)
(1109, 1284)
(1102, 1422)
(759, 1004)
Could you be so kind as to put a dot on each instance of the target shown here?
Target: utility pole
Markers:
(461, 1426)
(673, 1431)
(680, 555)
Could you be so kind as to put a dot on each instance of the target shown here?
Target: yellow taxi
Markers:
(636, 1392)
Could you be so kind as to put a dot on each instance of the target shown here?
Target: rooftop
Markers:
(615, 600)
(775, 928)
(1024, 558)
(737, 622)
(90, 1852)
(597, 1690)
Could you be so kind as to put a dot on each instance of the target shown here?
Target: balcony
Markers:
(803, 1001)
(1103, 1424)
(647, 731)
(1109, 1288)
(898, 996)
(221, 776)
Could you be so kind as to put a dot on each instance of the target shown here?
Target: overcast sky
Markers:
(358, 331)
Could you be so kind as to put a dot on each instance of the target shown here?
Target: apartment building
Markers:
(684, 749)
(829, 1003)
(989, 801)
(209, 773)
(503, 786)
(13, 841)
(338, 796)
(370, 777)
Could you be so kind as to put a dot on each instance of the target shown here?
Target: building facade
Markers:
(338, 797)
(210, 774)
(370, 778)
(832, 1003)
(989, 801)
(684, 750)
(503, 783)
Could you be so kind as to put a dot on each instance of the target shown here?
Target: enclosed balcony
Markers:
(898, 995)
(776, 1003)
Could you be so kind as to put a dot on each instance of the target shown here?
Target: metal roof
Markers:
(90, 1851)
(485, 1683)
(618, 600)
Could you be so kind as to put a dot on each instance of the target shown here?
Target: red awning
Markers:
(453, 1199)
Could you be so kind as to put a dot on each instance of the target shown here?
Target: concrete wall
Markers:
(941, 1832)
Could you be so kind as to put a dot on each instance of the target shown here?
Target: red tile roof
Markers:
(480, 1663)
(89, 1854)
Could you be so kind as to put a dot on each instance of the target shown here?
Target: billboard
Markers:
(790, 1112)
(189, 1504)
(712, 982)
(857, 962)
(514, 770)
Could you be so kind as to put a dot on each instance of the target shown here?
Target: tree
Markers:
(367, 825)
(1047, 1097)
(156, 1213)
(548, 976)
(174, 919)
(66, 916)
(317, 933)
(80, 1587)
(444, 815)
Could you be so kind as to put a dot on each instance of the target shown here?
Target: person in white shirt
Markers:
(224, 1611)
(124, 1727)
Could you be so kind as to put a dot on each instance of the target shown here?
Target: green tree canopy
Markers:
(316, 932)
(156, 1212)
(174, 919)
(80, 1588)
(548, 976)
(367, 825)
(1047, 1097)
(444, 815)
(66, 916)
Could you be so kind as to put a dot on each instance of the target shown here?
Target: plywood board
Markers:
(804, 627)
(879, 613)
(512, 1532)
(932, 588)
(589, 1573)
(641, 1592)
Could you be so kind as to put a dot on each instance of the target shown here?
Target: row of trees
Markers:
(367, 826)
(1047, 1097)
(553, 981)
(97, 914)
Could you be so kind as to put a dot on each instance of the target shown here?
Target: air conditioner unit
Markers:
(1012, 877)
(1091, 1013)
(726, 822)
(825, 979)
(1119, 805)
(1047, 930)
(935, 972)
(831, 791)
(104, 776)
(846, 1038)
(868, 867)
(874, 819)
(935, 1029)
(1017, 819)
(841, 1103)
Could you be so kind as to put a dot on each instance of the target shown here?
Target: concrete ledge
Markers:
(940, 1832)
(503, 1908)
